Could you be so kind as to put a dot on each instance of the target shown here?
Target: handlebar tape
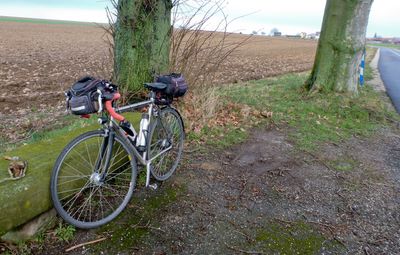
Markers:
(111, 110)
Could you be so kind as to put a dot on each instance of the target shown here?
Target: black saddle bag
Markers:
(176, 84)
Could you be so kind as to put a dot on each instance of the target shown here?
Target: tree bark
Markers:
(340, 47)
(142, 42)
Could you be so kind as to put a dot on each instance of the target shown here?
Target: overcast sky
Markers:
(289, 16)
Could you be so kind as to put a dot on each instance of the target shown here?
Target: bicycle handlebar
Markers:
(111, 110)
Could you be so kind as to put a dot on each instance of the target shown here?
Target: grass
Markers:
(317, 118)
(219, 137)
(343, 164)
(44, 21)
(386, 45)
(65, 232)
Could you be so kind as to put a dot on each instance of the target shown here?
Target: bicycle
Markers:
(95, 175)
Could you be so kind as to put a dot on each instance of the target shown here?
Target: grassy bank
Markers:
(317, 118)
(386, 45)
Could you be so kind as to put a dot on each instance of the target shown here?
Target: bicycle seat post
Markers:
(152, 95)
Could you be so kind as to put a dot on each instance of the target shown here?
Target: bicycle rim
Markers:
(166, 132)
(86, 194)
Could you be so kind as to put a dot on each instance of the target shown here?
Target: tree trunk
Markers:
(142, 42)
(341, 45)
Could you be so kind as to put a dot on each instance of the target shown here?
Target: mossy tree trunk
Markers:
(341, 45)
(142, 42)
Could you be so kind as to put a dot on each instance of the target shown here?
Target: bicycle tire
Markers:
(167, 130)
(84, 197)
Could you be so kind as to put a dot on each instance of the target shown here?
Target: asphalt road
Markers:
(389, 67)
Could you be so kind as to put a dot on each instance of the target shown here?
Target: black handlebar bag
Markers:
(82, 97)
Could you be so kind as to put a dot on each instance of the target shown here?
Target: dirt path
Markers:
(263, 196)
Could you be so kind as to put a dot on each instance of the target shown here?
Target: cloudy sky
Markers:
(289, 16)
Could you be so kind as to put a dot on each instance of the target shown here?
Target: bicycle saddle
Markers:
(156, 86)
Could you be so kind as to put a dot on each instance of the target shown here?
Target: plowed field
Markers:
(38, 62)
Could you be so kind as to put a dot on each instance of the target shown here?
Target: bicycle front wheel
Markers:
(85, 192)
(165, 144)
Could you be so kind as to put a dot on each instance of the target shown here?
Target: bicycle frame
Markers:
(113, 129)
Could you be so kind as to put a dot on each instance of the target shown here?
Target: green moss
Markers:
(131, 226)
(28, 197)
(142, 42)
(298, 238)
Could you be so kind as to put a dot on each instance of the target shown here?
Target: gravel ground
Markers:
(235, 195)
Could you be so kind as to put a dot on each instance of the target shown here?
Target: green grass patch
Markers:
(219, 137)
(65, 232)
(313, 118)
(368, 73)
(386, 45)
(344, 164)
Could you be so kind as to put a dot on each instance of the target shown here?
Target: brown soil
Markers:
(40, 61)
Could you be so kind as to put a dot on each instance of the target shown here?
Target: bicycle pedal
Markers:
(153, 186)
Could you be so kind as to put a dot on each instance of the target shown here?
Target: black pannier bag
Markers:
(82, 98)
(176, 84)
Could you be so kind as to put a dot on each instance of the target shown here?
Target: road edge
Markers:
(376, 82)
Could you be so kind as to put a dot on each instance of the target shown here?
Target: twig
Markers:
(330, 227)
(193, 150)
(150, 227)
(83, 244)
(243, 251)
(366, 250)
(243, 189)
(339, 241)
(249, 238)
(284, 221)
(319, 160)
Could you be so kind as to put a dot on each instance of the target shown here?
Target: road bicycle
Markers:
(95, 175)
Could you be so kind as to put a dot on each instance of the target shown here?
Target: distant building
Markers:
(383, 40)
(313, 36)
(277, 34)
(293, 36)
(310, 36)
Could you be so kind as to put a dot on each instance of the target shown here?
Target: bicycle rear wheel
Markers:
(84, 192)
(166, 132)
